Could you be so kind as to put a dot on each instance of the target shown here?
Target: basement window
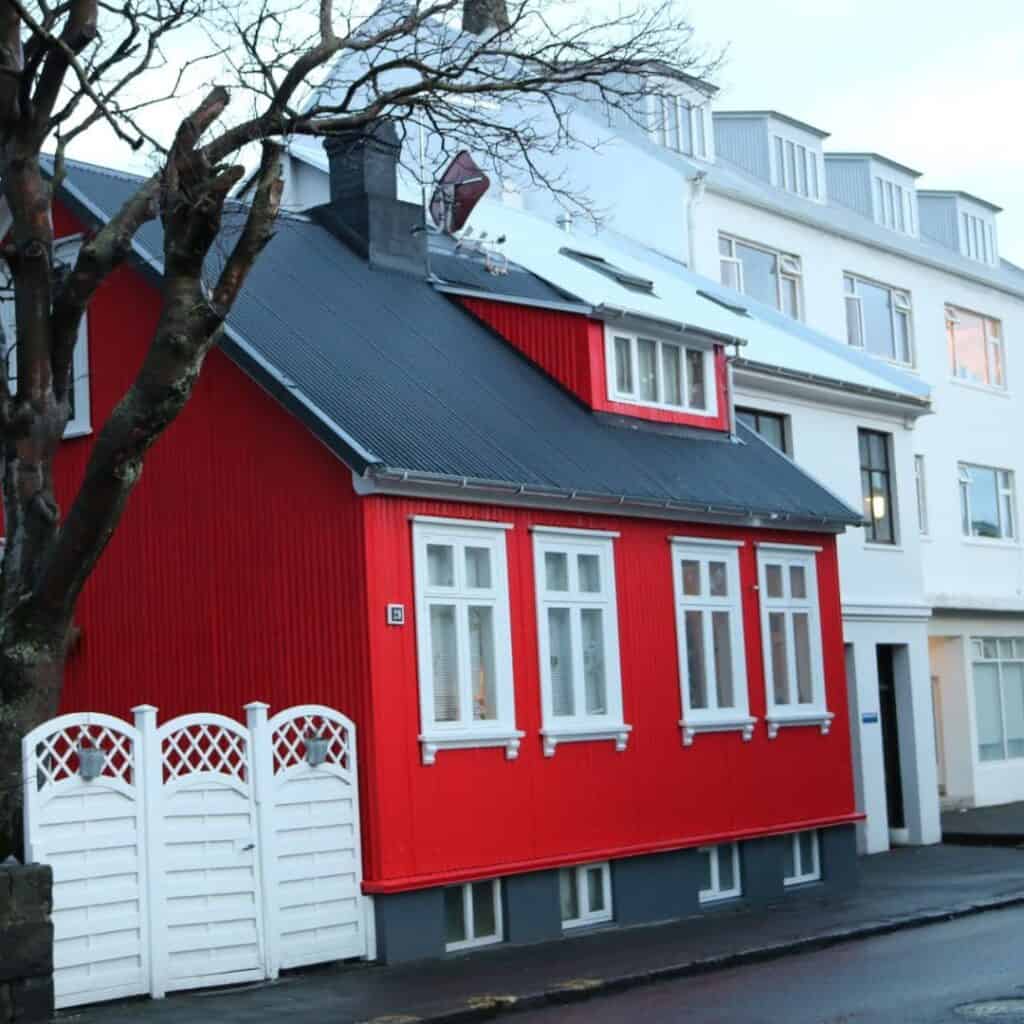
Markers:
(803, 861)
(472, 915)
(721, 873)
(585, 893)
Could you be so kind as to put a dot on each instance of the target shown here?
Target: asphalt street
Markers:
(964, 970)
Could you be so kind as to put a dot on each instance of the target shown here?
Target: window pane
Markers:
(567, 894)
(705, 864)
(968, 336)
(685, 135)
(772, 429)
(802, 650)
(478, 567)
(797, 581)
(854, 325)
(801, 170)
(790, 166)
(445, 662)
(903, 337)
(726, 869)
(589, 568)
(719, 579)
(695, 659)
(623, 367)
(876, 306)
(1013, 705)
(484, 921)
(691, 578)
(773, 579)
(647, 351)
(722, 634)
(592, 630)
(789, 858)
(695, 377)
(780, 167)
(807, 858)
(556, 570)
(671, 375)
(724, 246)
(760, 274)
(988, 712)
(454, 918)
(440, 565)
(780, 665)
(1005, 648)
(481, 657)
(595, 890)
(984, 502)
(790, 303)
(560, 642)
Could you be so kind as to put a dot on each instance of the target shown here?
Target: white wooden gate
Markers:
(203, 852)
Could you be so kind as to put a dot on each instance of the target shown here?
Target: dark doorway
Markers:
(890, 734)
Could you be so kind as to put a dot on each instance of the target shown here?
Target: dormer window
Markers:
(678, 124)
(795, 168)
(661, 374)
(978, 239)
(894, 206)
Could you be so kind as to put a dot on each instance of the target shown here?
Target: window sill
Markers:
(870, 545)
(990, 542)
(741, 723)
(469, 944)
(618, 731)
(579, 923)
(987, 389)
(777, 720)
(713, 899)
(74, 431)
(467, 739)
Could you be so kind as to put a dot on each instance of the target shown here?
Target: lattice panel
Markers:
(56, 755)
(204, 748)
(289, 743)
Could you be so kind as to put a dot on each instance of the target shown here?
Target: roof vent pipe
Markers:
(696, 194)
(564, 221)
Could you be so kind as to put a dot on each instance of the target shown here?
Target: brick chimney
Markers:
(481, 17)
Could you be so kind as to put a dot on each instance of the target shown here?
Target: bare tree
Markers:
(70, 67)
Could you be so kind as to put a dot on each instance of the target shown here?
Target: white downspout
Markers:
(696, 194)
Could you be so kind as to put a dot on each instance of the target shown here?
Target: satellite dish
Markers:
(461, 187)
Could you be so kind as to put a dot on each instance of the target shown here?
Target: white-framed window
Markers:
(578, 633)
(803, 859)
(721, 873)
(795, 168)
(878, 319)
(65, 252)
(976, 351)
(660, 374)
(585, 894)
(709, 633)
(472, 915)
(765, 274)
(463, 636)
(678, 124)
(988, 506)
(791, 637)
(997, 665)
(921, 488)
(894, 206)
(977, 239)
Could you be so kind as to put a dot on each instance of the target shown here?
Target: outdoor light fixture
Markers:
(316, 749)
(90, 762)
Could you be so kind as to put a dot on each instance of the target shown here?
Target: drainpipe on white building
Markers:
(730, 393)
(696, 194)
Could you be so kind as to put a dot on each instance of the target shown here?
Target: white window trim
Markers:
(999, 661)
(804, 875)
(1002, 492)
(502, 731)
(716, 894)
(900, 302)
(781, 272)
(710, 379)
(738, 718)
(992, 341)
(467, 918)
(802, 153)
(581, 727)
(793, 714)
(921, 493)
(589, 917)
(682, 106)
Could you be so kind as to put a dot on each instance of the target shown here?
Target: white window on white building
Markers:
(578, 631)
(678, 124)
(987, 502)
(975, 348)
(803, 860)
(894, 206)
(795, 168)
(878, 319)
(791, 637)
(472, 915)
(768, 275)
(920, 486)
(721, 873)
(463, 636)
(660, 374)
(977, 239)
(709, 632)
(585, 893)
(998, 667)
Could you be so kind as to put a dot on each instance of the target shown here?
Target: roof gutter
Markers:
(607, 312)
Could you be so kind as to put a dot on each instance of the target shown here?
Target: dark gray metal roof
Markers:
(393, 375)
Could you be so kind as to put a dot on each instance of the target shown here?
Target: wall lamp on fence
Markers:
(90, 762)
(316, 749)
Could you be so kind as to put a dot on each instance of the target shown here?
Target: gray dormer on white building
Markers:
(679, 117)
(875, 187)
(777, 149)
(961, 222)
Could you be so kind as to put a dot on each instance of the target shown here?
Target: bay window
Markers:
(578, 629)
(709, 634)
(998, 669)
(661, 374)
(791, 637)
(770, 276)
(975, 348)
(987, 505)
(463, 636)
(878, 319)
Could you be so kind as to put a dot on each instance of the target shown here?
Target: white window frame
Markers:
(803, 167)
(1006, 500)
(633, 398)
(579, 727)
(921, 490)
(716, 894)
(894, 206)
(661, 119)
(993, 342)
(900, 305)
(711, 718)
(474, 942)
(65, 251)
(978, 657)
(788, 267)
(579, 880)
(498, 732)
(804, 873)
(793, 713)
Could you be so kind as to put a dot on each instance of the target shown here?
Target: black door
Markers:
(890, 735)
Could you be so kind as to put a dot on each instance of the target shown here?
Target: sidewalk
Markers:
(902, 889)
(1001, 825)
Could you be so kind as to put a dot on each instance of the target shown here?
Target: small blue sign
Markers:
(869, 717)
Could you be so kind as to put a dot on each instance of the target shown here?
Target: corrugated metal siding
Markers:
(744, 142)
(849, 183)
(475, 814)
(937, 216)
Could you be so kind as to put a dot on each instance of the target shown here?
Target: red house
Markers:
(587, 626)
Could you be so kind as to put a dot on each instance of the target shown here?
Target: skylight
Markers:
(633, 282)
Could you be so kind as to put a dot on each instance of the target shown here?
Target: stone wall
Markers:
(26, 944)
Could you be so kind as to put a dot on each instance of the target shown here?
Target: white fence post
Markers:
(261, 764)
(149, 765)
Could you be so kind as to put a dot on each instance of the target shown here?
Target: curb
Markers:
(487, 1007)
